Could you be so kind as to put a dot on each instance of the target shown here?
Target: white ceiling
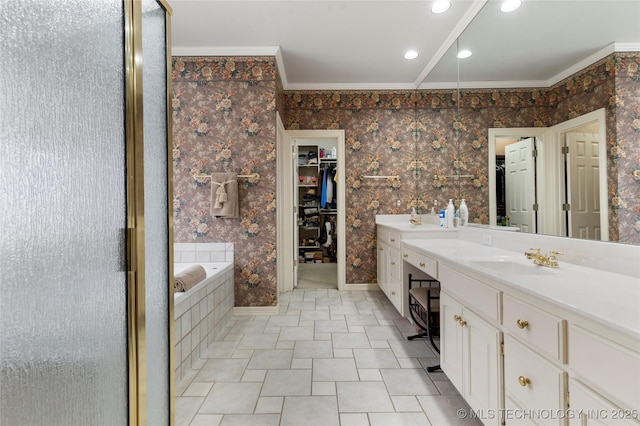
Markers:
(359, 44)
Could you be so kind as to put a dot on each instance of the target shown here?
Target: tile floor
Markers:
(328, 358)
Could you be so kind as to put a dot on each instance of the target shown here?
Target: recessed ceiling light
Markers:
(510, 5)
(463, 54)
(411, 54)
(440, 6)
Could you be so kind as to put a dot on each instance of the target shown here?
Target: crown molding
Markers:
(592, 59)
(515, 84)
(451, 38)
(226, 51)
(349, 86)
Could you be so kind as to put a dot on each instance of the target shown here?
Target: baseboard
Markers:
(361, 287)
(255, 310)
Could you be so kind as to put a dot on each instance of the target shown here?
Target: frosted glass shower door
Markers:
(63, 279)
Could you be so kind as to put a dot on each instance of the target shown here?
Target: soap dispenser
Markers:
(464, 213)
(451, 211)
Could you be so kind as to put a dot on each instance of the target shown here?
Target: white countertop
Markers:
(400, 222)
(607, 297)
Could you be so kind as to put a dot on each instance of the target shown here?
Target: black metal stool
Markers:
(424, 307)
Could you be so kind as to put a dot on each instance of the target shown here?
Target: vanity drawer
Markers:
(480, 297)
(389, 236)
(611, 369)
(426, 264)
(532, 382)
(409, 256)
(383, 235)
(394, 239)
(535, 327)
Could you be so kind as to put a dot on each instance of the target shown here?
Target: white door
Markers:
(583, 185)
(520, 184)
(294, 191)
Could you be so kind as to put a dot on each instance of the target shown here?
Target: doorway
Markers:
(567, 189)
(308, 162)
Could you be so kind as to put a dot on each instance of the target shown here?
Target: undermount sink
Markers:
(509, 267)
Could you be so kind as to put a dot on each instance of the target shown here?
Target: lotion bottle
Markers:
(464, 213)
(450, 213)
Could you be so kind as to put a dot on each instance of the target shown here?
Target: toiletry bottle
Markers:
(334, 152)
(464, 213)
(413, 213)
(442, 222)
(451, 210)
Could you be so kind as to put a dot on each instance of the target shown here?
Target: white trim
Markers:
(473, 10)
(512, 84)
(550, 169)
(538, 132)
(286, 232)
(281, 71)
(241, 311)
(283, 197)
(350, 86)
(592, 59)
(226, 51)
(556, 133)
(361, 287)
(462, 24)
(520, 84)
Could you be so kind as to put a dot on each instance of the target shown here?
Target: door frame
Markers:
(288, 253)
(557, 134)
(550, 170)
(541, 135)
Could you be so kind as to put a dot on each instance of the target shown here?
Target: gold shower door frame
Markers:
(134, 134)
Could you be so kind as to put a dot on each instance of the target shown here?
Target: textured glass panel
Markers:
(156, 210)
(63, 334)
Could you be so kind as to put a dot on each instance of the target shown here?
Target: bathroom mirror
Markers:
(616, 21)
(549, 180)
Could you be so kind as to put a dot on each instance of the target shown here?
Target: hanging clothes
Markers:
(323, 184)
(329, 186)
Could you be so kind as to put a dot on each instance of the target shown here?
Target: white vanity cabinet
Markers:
(535, 380)
(389, 266)
(590, 409)
(392, 274)
(470, 344)
(604, 371)
(537, 347)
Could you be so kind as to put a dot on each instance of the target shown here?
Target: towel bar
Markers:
(251, 176)
(380, 177)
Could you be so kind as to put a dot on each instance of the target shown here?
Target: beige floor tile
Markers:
(297, 411)
(328, 358)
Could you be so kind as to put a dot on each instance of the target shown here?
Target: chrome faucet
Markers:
(550, 260)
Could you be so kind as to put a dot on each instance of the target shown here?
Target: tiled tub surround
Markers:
(201, 313)
(202, 252)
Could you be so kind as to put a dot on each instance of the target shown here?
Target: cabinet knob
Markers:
(393, 240)
(422, 265)
(524, 381)
(522, 324)
(393, 263)
(381, 249)
(462, 323)
(457, 318)
(405, 255)
(393, 293)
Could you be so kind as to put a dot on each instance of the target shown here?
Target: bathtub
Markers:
(201, 313)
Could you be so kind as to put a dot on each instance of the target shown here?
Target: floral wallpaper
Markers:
(413, 134)
(224, 120)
